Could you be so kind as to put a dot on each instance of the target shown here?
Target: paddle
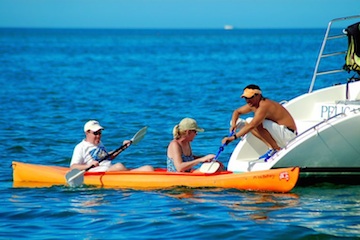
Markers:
(75, 177)
(213, 166)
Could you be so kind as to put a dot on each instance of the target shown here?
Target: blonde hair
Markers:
(177, 132)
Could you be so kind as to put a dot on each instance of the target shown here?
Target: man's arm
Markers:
(236, 113)
(259, 116)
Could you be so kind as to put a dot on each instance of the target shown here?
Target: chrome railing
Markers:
(322, 55)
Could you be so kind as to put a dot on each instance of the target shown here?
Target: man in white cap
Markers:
(91, 150)
(271, 123)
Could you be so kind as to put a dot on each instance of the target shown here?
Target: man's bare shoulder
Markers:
(268, 102)
(243, 109)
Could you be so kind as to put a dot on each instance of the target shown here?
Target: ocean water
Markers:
(53, 81)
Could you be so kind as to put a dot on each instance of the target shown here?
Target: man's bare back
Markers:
(277, 113)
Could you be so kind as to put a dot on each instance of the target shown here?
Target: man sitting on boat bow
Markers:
(271, 123)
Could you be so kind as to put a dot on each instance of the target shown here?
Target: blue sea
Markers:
(54, 80)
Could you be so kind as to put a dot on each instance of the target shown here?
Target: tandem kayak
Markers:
(274, 180)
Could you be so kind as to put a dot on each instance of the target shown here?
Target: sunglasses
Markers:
(251, 97)
(97, 133)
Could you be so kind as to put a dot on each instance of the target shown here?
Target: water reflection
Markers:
(87, 203)
(329, 210)
(32, 185)
(240, 205)
(259, 206)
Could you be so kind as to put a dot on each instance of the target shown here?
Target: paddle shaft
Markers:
(222, 147)
(119, 150)
(216, 157)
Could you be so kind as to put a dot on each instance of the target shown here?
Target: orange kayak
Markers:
(274, 180)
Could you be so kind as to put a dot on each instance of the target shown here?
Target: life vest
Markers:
(352, 58)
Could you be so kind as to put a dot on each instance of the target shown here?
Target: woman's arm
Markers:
(174, 152)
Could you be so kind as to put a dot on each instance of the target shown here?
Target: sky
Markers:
(174, 14)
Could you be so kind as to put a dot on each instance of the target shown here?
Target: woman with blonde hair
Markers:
(180, 157)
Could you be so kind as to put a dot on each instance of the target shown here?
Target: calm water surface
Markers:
(53, 81)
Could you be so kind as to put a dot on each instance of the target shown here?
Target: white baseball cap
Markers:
(92, 125)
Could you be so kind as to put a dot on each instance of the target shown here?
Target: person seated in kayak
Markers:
(271, 123)
(180, 157)
(90, 150)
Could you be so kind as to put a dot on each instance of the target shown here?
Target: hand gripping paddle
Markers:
(213, 166)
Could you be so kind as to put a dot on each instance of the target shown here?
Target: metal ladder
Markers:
(322, 55)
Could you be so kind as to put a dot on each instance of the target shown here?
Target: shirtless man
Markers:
(271, 123)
